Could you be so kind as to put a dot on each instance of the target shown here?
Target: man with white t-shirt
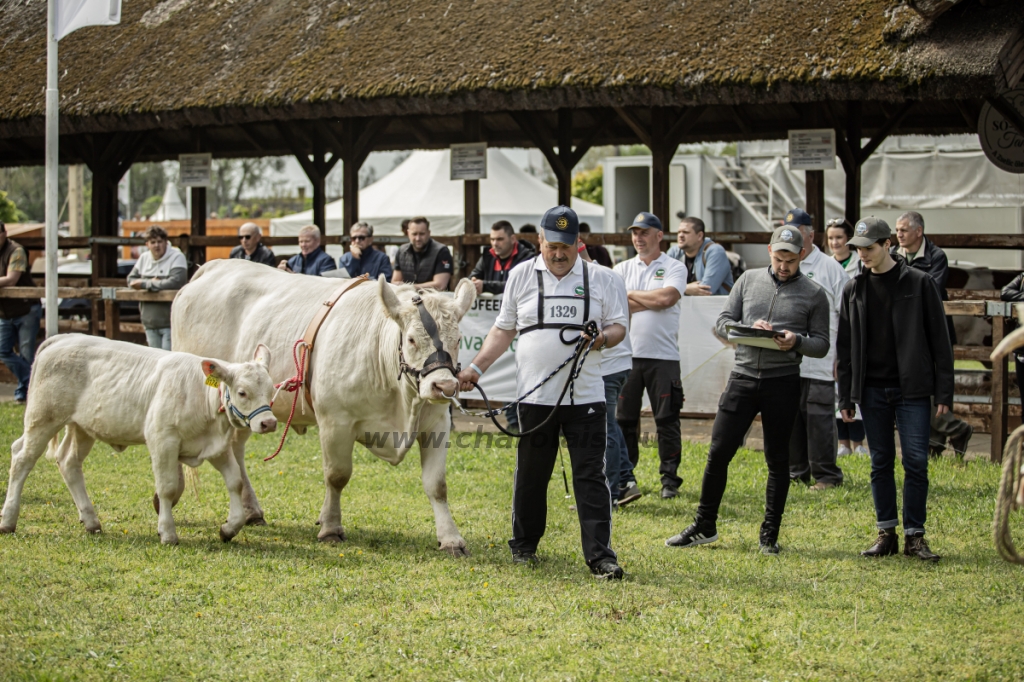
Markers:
(549, 300)
(814, 444)
(654, 283)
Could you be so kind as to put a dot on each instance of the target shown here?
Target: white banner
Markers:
(705, 361)
(75, 14)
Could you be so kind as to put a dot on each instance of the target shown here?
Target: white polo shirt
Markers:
(654, 334)
(540, 351)
(619, 358)
(826, 272)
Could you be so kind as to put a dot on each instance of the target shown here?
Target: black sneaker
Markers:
(630, 493)
(886, 544)
(694, 535)
(669, 491)
(915, 545)
(769, 540)
(607, 569)
(525, 559)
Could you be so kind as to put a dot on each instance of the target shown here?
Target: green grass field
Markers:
(274, 604)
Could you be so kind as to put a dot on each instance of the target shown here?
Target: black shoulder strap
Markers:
(540, 298)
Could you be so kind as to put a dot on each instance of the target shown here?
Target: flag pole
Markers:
(52, 131)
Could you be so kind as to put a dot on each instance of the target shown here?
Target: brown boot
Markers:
(916, 545)
(886, 544)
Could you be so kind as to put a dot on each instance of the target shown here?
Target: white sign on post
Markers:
(469, 161)
(812, 149)
(194, 170)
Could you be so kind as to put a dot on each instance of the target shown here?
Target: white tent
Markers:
(171, 207)
(421, 186)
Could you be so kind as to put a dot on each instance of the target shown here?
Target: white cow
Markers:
(359, 393)
(124, 394)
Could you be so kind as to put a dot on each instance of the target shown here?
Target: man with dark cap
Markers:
(793, 311)
(894, 357)
(548, 299)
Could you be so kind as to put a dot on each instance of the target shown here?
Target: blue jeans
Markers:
(882, 408)
(617, 467)
(20, 332)
(159, 338)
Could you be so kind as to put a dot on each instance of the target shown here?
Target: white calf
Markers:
(124, 394)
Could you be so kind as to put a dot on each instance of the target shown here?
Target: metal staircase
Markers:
(758, 198)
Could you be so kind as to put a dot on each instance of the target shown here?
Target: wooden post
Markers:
(661, 157)
(816, 201)
(471, 198)
(1000, 393)
(198, 228)
(104, 224)
(112, 318)
(351, 163)
(853, 137)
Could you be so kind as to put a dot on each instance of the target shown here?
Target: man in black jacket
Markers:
(251, 247)
(506, 252)
(923, 255)
(894, 356)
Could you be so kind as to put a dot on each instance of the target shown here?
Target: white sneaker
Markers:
(860, 450)
(843, 451)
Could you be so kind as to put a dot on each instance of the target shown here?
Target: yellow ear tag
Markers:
(212, 381)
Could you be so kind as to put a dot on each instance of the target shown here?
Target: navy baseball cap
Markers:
(560, 224)
(646, 220)
(798, 217)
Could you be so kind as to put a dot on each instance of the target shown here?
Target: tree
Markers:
(9, 213)
(231, 177)
(589, 185)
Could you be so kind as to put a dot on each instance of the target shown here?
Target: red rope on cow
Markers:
(291, 385)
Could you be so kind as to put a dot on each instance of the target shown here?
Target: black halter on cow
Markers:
(439, 359)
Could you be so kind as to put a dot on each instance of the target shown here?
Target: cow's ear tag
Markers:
(212, 381)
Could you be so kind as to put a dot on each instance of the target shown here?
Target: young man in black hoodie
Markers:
(894, 355)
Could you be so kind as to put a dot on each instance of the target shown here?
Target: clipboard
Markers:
(752, 336)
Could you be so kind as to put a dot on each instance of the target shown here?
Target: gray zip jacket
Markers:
(797, 305)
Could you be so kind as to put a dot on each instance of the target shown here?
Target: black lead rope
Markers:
(578, 357)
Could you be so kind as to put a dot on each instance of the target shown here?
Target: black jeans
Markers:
(814, 444)
(665, 391)
(584, 429)
(778, 401)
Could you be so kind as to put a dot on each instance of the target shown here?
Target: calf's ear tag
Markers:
(212, 381)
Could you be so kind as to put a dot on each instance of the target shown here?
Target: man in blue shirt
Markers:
(362, 257)
(311, 259)
(707, 265)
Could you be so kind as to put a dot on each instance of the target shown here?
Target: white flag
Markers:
(75, 14)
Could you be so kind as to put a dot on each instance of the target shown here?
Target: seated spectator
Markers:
(709, 272)
(506, 252)
(423, 261)
(311, 259)
(598, 254)
(19, 317)
(363, 257)
(251, 248)
(161, 268)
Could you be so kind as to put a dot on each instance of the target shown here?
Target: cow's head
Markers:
(420, 350)
(246, 391)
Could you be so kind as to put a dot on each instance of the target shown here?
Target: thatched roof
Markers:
(180, 62)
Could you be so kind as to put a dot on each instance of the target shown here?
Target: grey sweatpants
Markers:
(814, 443)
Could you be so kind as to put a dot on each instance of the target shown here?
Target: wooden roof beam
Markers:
(530, 126)
(635, 124)
(891, 123)
(969, 111)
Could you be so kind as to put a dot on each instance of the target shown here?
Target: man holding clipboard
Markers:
(775, 316)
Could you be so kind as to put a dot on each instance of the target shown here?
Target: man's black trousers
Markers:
(665, 391)
(778, 401)
(584, 429)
